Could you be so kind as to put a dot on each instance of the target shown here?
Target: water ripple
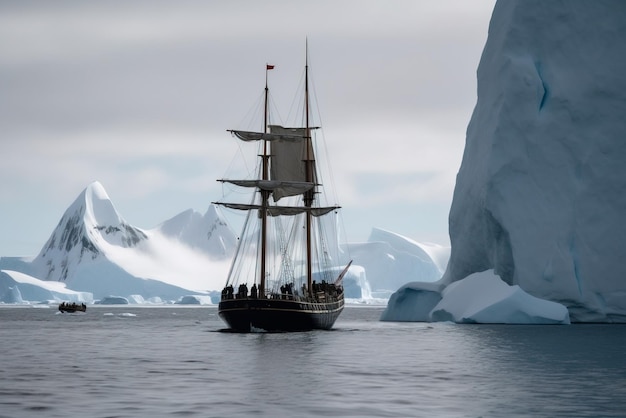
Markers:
(178, 362)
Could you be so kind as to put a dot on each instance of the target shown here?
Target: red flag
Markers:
(270, 67)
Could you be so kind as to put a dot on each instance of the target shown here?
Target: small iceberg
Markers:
(112, 300)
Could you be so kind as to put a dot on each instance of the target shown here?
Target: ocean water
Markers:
(177, 361)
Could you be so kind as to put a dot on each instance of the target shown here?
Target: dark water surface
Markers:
(176, 361)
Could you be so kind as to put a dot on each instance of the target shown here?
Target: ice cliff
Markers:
(540, 194)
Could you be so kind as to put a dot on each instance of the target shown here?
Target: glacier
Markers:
(539, 195)
(389, 260)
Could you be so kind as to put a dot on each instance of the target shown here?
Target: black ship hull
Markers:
(247, 314)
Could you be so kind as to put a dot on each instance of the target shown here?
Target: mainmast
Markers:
(264, 193)
(309, 175)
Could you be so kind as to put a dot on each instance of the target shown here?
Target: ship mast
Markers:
(264, 193)
(309, 175)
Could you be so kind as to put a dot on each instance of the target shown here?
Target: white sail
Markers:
(288, 160)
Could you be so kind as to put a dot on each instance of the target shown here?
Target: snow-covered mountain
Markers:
(539, 197)
(89, 229)
(94, 253)
(208, 233)
(93, 249)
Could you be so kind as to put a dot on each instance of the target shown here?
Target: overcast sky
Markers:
(138, 95)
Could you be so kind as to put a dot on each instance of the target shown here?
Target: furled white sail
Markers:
(272, 137)
(282, 210)
(271, 185)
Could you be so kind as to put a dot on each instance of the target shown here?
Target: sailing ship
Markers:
(286, 273)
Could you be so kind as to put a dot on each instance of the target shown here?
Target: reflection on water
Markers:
(137, 362)
(576, 370)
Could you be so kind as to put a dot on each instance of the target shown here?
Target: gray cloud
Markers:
(130, 93)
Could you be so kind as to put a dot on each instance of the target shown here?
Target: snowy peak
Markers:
(209, 233)
(87, 227)
(92, 221)
(102, 221)
(98, 205)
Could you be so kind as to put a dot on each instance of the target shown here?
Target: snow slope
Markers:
(540, 195)
(94, 249)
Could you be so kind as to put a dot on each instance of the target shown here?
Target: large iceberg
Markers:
(479, 298)
(539, 196)
(16, 287)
